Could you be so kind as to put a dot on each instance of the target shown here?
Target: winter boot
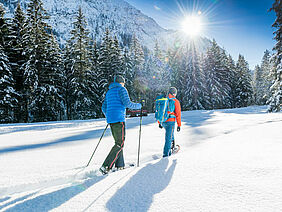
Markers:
(104, 170)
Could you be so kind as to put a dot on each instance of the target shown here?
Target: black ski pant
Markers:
(115, 156)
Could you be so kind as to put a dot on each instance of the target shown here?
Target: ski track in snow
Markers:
(40, 177)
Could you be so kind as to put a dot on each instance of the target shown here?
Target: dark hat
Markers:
(173, 91)
(119, 79)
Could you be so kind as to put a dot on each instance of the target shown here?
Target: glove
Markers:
(178, 129)
(160, 126)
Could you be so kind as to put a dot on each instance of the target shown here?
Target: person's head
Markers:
(119, 79)
(173, 91)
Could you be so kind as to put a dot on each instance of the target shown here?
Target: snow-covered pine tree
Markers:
(126, 65)
(17, 58)
(214, 76)
(258, 85)
(54, 78)
(275, 102)
(93, 80)
(232, 81)
(116, 58)
(262, 80)
(38, 76)
(4, 29)
(225, 74)
(244, 89)
(80, 70)
(8, 95)
(266, 67)
(105, 67)
(138, 59)
(194, 92)
(158, 51)
(174, 58)
(67, 76)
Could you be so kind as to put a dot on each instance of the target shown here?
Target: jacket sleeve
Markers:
(178, 113)
(126, 100)
(104, 107)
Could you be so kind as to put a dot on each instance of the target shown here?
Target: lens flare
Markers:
(192, 25)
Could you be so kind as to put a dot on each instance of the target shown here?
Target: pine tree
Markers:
(214, 75)
(116, 58)
(275, 102)
(54, 78)
(93, 80)
(17, 58)
(243, 88)
(267, 80)
(105, 73)
(257, 85)
(134, 83)
(232, 81)
(8, 95)
(3, 27)
(225, 73)
(174, 60)
(39, 75)
(67, 80)
(194, 91)
(80, 70)
(157, 50)
(127, 64)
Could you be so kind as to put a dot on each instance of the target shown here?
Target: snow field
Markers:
(230, 160)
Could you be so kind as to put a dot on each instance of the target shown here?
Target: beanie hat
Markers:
(119, 79)
(173, 91)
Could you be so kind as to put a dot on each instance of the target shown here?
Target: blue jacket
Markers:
(116, 102)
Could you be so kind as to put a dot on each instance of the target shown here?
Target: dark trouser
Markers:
(115, 156)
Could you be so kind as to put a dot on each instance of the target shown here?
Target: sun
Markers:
(192, 25)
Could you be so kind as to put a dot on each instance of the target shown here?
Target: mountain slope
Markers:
(119, 16)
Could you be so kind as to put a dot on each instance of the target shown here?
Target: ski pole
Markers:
(97, 144)
(140, 133)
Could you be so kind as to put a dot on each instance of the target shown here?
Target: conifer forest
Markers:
(43, 80)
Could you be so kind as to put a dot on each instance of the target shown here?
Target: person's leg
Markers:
(120, 160)
(169, 129)
(118, 132)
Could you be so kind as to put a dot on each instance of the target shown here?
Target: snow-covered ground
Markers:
(230, 160)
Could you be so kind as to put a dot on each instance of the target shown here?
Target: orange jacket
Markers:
(177, 111)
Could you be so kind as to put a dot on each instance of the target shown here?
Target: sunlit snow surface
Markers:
(230, 160)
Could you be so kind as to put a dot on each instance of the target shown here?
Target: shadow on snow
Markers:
(54, 199)
(141, 188)
(92, 134)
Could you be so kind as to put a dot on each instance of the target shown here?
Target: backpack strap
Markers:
(171, 114)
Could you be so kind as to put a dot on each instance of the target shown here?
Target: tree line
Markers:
(43, 81)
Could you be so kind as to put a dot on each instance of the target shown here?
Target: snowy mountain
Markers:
(119, 16)
(230, 160)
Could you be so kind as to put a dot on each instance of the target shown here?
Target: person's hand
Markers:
(178, 129)
(160, 126)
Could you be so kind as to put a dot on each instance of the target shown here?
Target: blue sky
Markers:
(240, 26)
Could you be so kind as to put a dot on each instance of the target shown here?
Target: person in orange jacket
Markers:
(169, 124)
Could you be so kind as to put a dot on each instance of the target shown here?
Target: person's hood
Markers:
(114, 85)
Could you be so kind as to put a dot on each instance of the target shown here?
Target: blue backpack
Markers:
(164, 109)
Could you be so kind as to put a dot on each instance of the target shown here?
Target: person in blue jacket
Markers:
(114, 108)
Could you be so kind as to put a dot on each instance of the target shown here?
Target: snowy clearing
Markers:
(230, 160)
